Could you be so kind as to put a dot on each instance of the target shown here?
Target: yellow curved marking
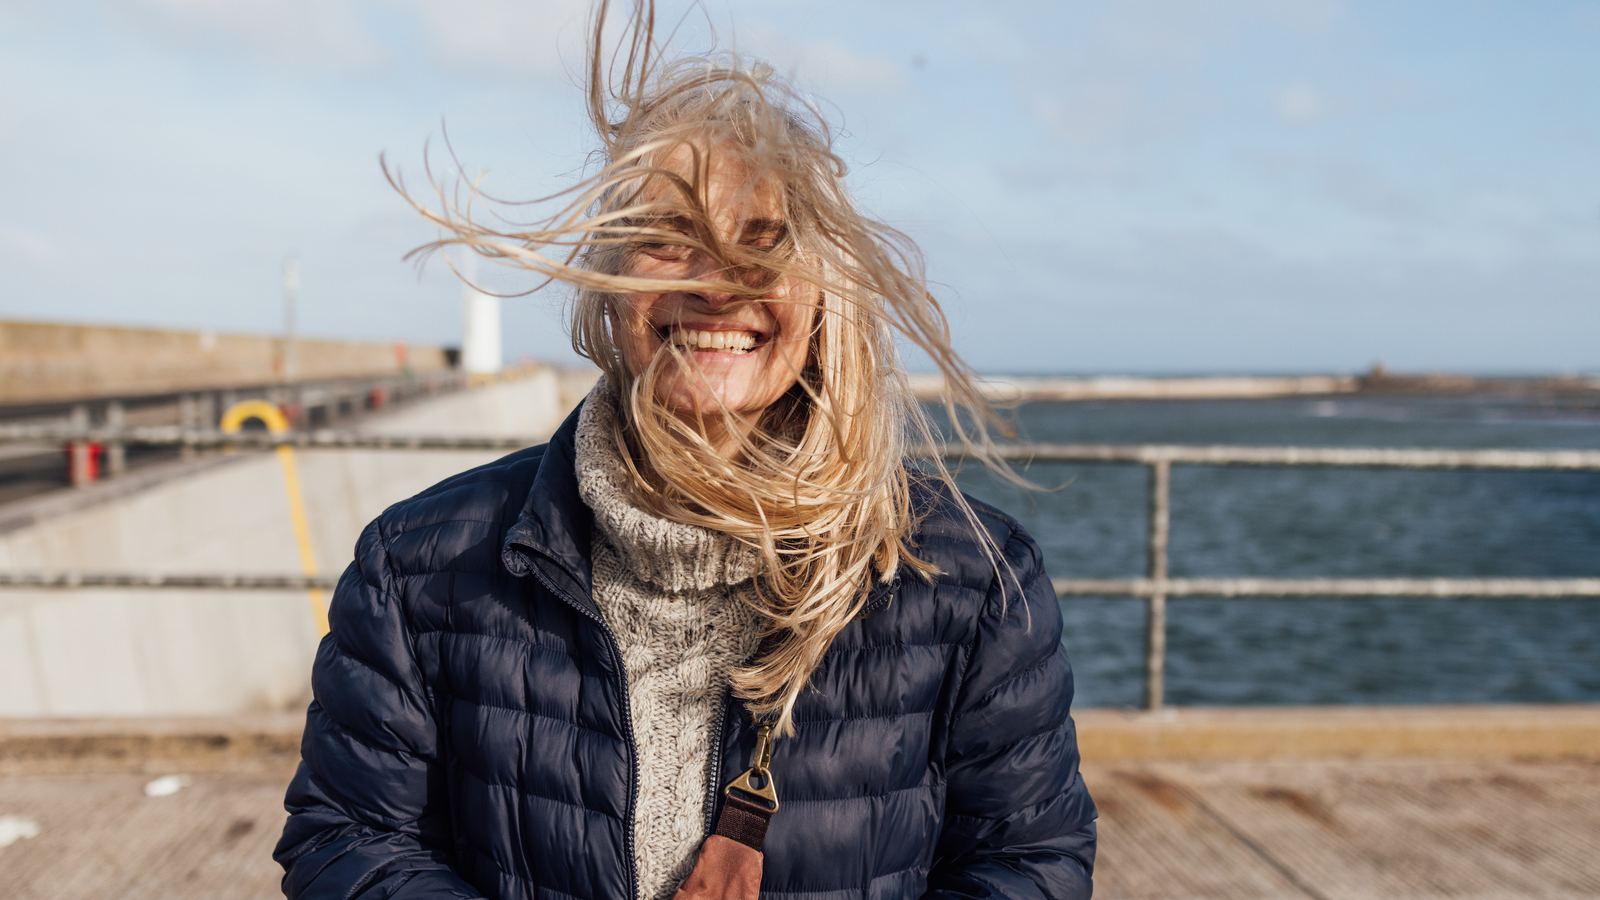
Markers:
(277, 423)
(245, 410)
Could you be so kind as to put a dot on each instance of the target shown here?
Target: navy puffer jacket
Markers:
(470, 735)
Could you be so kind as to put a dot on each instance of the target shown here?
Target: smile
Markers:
(737, 342)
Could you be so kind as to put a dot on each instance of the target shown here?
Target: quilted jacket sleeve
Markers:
(1018, 819)
(368, 814)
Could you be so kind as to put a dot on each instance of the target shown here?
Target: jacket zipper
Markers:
(714, 778)
(714, 781)
(627, 723)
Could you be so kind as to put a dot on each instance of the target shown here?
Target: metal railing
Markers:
(199, 409)
(66, 581)
(1156, 587)
(200, 439)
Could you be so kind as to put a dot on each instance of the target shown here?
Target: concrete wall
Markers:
(520, 405)
(136, 653)
(47, 361)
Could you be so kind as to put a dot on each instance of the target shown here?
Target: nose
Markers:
(707, 269)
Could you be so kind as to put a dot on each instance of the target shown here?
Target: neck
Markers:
(725, 433)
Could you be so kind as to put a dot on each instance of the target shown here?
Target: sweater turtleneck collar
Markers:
(671, 555)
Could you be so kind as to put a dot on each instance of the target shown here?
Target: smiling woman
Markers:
(731, 354)
(529, 688)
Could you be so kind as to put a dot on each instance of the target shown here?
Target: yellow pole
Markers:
(273, 418)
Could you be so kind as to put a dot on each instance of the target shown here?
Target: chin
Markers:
(710, 398)
(683, 399)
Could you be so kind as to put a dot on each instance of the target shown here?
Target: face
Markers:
(746, 353)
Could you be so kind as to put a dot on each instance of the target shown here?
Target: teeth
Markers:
(729, 341)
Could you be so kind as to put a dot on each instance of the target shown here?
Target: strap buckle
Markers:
(759, 761)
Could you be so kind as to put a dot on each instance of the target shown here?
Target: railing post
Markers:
(80, 459)
(1155, 659)
(206, 411)
(188, 416)
(116, 451)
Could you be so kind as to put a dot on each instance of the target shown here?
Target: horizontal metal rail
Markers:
(1378, 457)
(158, 581)
(1221, 455)
(1551, 588)
(1156, 588)
(336, 440)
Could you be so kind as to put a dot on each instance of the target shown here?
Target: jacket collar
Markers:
(552, 534)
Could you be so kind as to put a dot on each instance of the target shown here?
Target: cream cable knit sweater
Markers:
(670, 593)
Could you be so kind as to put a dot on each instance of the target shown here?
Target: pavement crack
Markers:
(1249, 843)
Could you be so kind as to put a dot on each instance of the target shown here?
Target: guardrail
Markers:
(203, 439)
(1156, 588)
(55, 581)
(319, 402)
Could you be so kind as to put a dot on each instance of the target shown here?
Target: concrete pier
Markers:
(1108, 387)
(187, 652)
(43, 362)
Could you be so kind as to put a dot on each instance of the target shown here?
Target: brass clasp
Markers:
(762, 758)
(759, 761)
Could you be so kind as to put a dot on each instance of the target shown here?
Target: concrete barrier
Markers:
(197, 653)
(53, 361)
(1200, 734)
(1106, 737)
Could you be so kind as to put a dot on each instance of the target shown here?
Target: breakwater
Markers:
(1378, 381)
(49, 362)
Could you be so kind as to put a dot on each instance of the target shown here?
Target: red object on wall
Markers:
(88, 470)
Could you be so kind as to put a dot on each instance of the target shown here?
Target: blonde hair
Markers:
(821, 485)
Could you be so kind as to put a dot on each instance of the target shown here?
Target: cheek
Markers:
(630, 322)
(795, 322)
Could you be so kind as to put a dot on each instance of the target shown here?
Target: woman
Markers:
(543, 673)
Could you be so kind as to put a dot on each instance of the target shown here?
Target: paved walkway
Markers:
(1325, 830)
(1465, 804)
(1349, 830)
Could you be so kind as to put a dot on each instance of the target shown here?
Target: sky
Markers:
(1099, 186)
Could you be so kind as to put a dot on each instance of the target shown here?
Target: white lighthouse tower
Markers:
(480, 340)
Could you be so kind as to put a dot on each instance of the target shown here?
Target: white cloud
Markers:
(830, 66)
(1182, 32)
(1091, 111)
(1367, 190)
(315, 34)
(1136, 70)
(982, 41)
(28, 243)
(835, 67)
(505, 38)
(1298, 104)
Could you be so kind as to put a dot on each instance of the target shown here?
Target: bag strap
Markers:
(750, 800)
(730, 862)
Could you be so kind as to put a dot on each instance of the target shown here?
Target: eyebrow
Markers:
(763, 227)
(753, 228)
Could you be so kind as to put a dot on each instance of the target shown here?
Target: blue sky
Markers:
(1134, 186)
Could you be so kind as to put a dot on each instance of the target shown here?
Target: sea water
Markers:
(1309, 522)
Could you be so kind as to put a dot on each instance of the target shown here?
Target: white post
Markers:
(480, 340)
(291, 284)
(116, 452)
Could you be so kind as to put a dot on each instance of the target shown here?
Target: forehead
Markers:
(726, 185)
